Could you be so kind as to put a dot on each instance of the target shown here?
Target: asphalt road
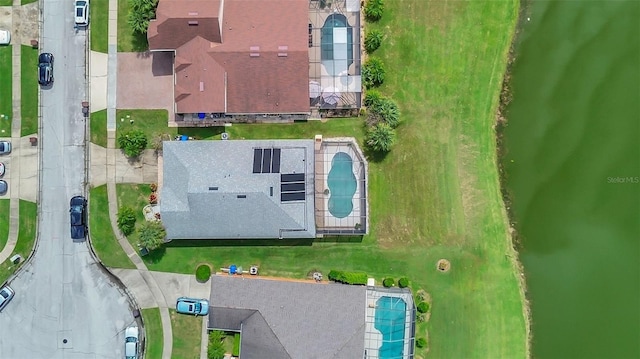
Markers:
(65, 305)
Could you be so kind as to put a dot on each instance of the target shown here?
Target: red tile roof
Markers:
(258, 63)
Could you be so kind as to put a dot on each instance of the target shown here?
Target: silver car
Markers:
(6, 293)
(5, 147)
(131, 343)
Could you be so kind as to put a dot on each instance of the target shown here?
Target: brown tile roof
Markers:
(178, 21)
(261, 66)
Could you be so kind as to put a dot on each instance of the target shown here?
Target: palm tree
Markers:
(381, 137)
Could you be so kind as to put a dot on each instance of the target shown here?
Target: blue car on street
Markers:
(192, 306)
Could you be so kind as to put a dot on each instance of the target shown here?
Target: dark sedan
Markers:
(78, 216)
(45, 69)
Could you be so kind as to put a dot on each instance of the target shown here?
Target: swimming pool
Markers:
(342, 185)
(336, 44)
(390, 321)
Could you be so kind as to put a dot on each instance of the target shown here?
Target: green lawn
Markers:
(128, 41)
(6, 2)
(98, 128)
(4, 222)
(103, 240)
(99, 17)
(25, 2)
(187, 332)
(436, 195)
(29, 101)
(6, 91)
(153, 333)
(151, 122)
(26, 238)
(135, 196)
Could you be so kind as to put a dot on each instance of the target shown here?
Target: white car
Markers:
(2, 169)
(131, 343)
(6, 293)
(5, 37)
(82, 12)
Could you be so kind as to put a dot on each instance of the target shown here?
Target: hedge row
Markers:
(357, 278)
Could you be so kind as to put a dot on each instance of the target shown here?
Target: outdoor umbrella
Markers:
(331, 95)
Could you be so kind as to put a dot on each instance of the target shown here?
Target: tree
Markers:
(373, 10)
(372, 40)
(216, 346)
(373, 72)
(381, 137)
(132, 142)
(140, 13)
(152, 234)
(126, 220)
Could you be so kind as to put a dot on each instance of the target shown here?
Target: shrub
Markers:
(373, 72)
(381, 137)
(141, 12)
(423, 307)
(152, 234)
(388, 282)
(372, 99)
(372, 40)
(373, 10)
(403, 282)
(203, 273)
(421, 342)
(215, 349)
(357, 278)
(126, 220)
(132, 142)
(153, 198)
(153, 187)
(388, 112)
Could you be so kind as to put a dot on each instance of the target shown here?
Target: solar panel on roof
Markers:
(292, 196)
(292, 187)
(266, 160)
(292, 177)
(275, 161)
(257, 160)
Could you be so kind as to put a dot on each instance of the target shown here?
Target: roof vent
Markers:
(193, 13)
(282, 54)
(283, 48)
(213, 188)
(193, 23)
(254, 48)
(242, 196)
(201, 86)
(254, 54)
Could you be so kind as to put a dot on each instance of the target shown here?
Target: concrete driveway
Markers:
(145, 81)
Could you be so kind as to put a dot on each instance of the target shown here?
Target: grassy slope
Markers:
(98, 128)
(103, 240)
(153, 332)
(4, 222)
(99, 18)
(187, 344)
(26, 238)
(29, 101)
(6, 91)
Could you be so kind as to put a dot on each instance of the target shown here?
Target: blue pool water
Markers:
(342, 185)
(328, 48)
(390, 321)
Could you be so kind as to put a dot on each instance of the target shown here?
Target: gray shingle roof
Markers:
(192, 210)
(306, 320)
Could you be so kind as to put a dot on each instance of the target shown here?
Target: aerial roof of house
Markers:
(238, 189)
(284, 319)
(236, 56)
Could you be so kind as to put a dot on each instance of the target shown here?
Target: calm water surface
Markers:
(573, 167)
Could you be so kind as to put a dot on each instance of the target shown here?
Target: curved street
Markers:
(66, 305)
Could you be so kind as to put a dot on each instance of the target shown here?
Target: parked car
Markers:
(4, 187)
(45, 69)
(1, 169)
(131, 343)
(82, 12)
(5, 37)
(6, 293)
(5, 147)
(192, 306)
(78, 217)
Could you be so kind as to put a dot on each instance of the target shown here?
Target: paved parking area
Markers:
(145, 81)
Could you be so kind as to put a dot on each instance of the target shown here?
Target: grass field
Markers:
(151, 122)
(436, 195)
(103, 240)
(98, 128)
(26, 238)
(6, 2)
(186, 345)
(99, 18)
(25, 2)
(4, 222)
(6, 91)
(153, 332)
(29, 100)
(128, 41)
